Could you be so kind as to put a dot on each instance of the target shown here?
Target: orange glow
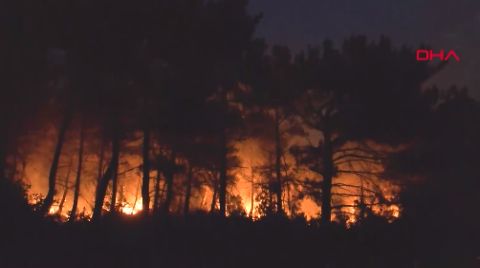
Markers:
(129, 210)
(252, 154)
(53, 210)
(309, 208)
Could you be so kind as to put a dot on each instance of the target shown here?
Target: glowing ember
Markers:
(53, 210)
(129, 210)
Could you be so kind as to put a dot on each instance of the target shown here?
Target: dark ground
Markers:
(207, 241)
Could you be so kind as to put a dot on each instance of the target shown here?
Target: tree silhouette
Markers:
(273, 79)
(366, 91)
(76, 194)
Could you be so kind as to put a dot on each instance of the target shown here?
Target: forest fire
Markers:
(132, 210)
(248, 179)
(174, 133)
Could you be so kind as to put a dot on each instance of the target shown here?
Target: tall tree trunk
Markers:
(136, 199)
(162, 194)
(223, 174)
(65, 190)
(188, 190)
(156, 195)
(146, 171)
(47, 203)
(101, 159)
(169, 180)
(121, 193)
(223, 158)
(328, 172)
(156, 190)
(278, 163)
(113, 202)
(73, 213)
(105, 179)
(252, 194)
(214, 197)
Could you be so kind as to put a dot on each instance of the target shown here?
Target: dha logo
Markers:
(429, 55)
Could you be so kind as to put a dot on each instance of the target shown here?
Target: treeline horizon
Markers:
(193, 98)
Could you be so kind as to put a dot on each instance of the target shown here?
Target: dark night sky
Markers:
(447, 24)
